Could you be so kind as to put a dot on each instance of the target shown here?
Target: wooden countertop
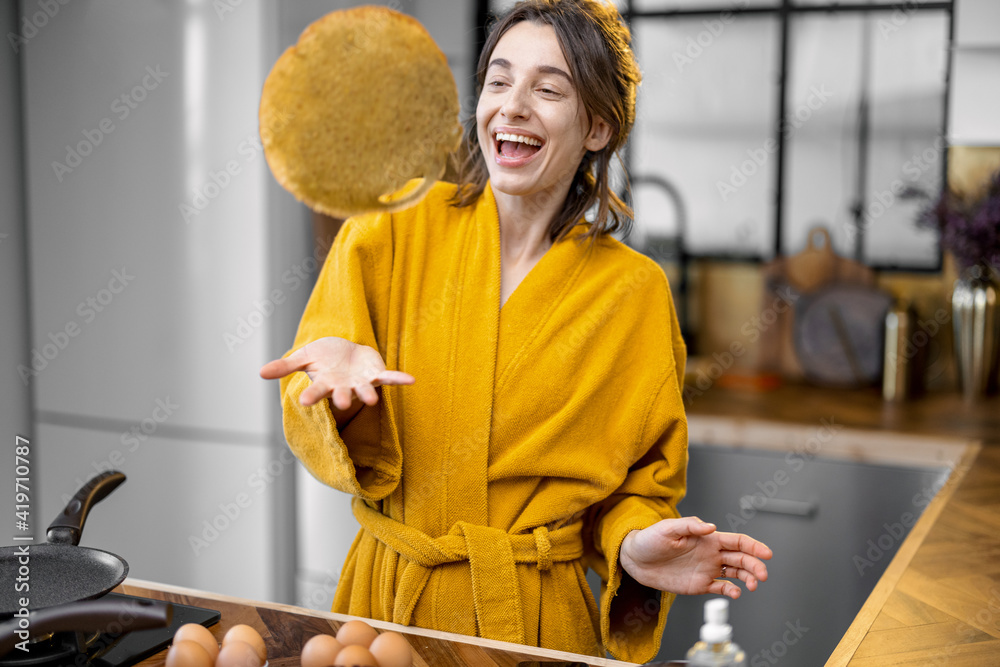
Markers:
(943, 414)
(286, 628)
(938, 602)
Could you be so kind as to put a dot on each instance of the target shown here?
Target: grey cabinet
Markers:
(834, 526)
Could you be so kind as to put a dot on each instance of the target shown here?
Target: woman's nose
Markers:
(515, 105)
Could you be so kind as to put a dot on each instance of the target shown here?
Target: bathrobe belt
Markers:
(491, 553)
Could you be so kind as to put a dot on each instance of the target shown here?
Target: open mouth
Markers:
(516, 146)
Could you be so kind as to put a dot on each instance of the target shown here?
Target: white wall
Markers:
(152, 352)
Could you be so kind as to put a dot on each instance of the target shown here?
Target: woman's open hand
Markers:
(686, 556)
(339, 369)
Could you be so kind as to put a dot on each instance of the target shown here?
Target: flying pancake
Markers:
(363, 104)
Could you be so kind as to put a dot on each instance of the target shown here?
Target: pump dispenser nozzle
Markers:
(716, 629)
(716, 648)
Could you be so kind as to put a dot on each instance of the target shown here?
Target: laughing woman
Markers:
(533, 425)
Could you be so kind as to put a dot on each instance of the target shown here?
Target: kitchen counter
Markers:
(938, 602)
(939, 414)
(286, 628)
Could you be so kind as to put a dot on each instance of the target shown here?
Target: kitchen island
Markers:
(938, 602)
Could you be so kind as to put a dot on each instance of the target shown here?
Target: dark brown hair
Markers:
(595, 42)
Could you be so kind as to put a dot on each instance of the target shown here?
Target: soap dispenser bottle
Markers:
(716, 648)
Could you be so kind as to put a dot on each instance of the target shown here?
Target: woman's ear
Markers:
(600, 135)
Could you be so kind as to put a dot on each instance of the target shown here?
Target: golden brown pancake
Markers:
(362, 104)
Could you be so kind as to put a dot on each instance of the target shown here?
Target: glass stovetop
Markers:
(122, 650)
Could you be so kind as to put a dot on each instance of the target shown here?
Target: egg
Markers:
(235, 653)
(200, 634)
(356, 633)
(244, 633)
(320, 651)
(188, 654)
(392, 650)
(355, 656)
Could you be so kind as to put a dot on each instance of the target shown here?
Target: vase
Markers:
(977, 331)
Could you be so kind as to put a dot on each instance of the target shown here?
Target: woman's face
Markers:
(532, 126)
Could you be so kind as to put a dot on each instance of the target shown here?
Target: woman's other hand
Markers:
(686, 556)
(339, 370)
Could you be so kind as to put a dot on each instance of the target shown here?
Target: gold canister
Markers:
(897, 375)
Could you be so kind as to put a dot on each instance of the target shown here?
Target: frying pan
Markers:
(62, 574)
(87, 616)
(61, 571)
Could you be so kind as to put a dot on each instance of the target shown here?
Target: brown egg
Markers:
(320, 651)
(200, 634)
(188, 653)
(355, 656)
(244, 633)
(392, 650)
(356, 633)
(235, 653)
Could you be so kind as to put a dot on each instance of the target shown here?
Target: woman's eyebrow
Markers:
(545, 69)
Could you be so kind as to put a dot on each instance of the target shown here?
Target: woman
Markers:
(534, 425)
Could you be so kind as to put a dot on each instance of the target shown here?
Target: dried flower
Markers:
(969, 227)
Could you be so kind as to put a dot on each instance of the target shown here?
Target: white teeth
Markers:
(503, 136)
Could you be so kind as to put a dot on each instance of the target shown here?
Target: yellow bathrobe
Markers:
(536, 437)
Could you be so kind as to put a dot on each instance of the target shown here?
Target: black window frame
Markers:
(784, 11)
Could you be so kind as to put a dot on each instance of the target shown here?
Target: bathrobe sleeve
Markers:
(350, 301)
(633, 616)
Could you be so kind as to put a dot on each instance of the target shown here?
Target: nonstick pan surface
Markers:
(58, 574)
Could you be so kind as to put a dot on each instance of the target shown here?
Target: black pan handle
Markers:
(89, 616)
(68, 526)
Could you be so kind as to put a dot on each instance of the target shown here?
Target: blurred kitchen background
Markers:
(149, 264)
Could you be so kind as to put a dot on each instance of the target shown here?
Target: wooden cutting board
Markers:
(786, 280)
(818, 265)
(285, 630)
